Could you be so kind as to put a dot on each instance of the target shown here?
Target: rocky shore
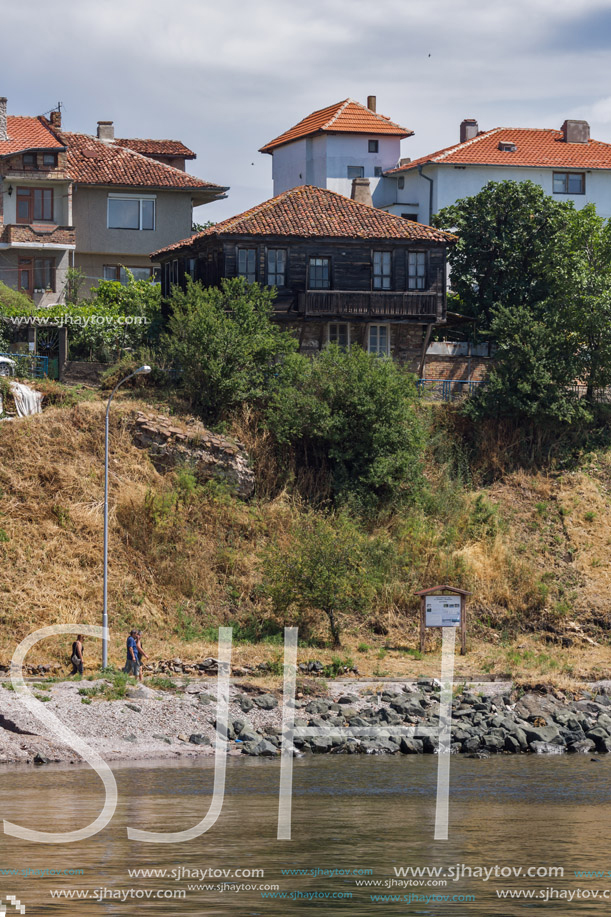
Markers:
(350, 716)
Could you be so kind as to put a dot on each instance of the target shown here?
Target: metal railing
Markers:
(28, 364)
(447, 389)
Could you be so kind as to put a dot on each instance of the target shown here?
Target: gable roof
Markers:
(348, 117)
(538, 147)
(94, 162)
(310, 212)
(157, 147)
(26, 133)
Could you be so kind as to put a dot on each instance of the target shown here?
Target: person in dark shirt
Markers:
(77, 656)
(132, 665)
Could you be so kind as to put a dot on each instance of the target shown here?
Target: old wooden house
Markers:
(344, 271)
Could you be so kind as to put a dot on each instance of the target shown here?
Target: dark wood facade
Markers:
(351, 292)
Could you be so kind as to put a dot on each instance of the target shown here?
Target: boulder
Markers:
(140, 692)
(208, 455)
(40, 759)
(411, 746)
(582, 748)
(245, 703)
(261, 749)
(198, 739)
(547, 748)
(266, 701)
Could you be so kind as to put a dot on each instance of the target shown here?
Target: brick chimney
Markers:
(371, 103)
(56, 119)
(106, 131)
(361, 192)
(3, 128)
(468, 129)
(575, 131)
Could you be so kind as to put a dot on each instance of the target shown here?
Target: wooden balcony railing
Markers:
(374, 304)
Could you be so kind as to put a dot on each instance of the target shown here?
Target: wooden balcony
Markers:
(424, 307)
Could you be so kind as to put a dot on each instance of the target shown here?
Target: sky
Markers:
(226, 77)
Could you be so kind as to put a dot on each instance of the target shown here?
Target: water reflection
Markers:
(348, 813)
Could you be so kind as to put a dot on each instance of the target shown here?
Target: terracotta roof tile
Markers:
(539, 147)
(348, 117)
(93, 162)
(307, 212)
(25, 133)
(157, 147)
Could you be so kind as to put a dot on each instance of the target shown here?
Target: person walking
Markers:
(140, 652)
(132, 665)
(77, 656)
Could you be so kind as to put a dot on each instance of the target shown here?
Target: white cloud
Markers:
(225, 77)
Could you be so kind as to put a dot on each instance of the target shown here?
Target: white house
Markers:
(332, 147)
(566, 163)
(350, 149)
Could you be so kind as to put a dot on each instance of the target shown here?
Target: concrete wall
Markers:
(90, 214)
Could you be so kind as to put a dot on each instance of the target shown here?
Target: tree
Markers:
(502, 254)
(329, 567)
(352, 415)
(580, 275)
(227, 347)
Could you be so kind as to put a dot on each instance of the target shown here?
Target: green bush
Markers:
(330, 567)
(353, 416)
(225, 345)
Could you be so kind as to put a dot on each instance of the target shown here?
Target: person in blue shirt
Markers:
(132, 666)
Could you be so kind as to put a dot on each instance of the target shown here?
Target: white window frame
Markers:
(382, 276)
(417, 285)
(347, 325)
(248, 276)
(132, 197)
(385, 353)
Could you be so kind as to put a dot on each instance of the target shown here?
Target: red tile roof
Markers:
(538, 147)
(93, 162)
(157, 147)
(26, 133)
(308, 212)
(346, 117)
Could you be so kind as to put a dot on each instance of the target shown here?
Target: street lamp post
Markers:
(139, 371)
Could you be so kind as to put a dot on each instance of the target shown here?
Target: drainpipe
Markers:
(431, 183)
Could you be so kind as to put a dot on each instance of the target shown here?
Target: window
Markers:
(373, 146)
(319, 274)
(356, 171)
(247, 264)
(378, 340)
(120, 273)
(339, 333)
(49, 160)
(29, 161)
(410, 216)
(377, 171)
(569, 183)
(401, 183)
(276, 267)
(131, 212)
(382, 270)
(34, 205)
(191, 267)
(36, 274)
(416, 274)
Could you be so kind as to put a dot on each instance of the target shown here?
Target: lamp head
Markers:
(143, 369)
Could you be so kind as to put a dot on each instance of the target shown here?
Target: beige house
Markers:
(129, 197)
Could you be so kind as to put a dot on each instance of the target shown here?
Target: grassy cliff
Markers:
(184, 558)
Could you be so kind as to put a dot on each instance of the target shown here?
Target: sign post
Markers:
(443, 606)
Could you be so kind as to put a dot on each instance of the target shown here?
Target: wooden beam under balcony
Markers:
(420, 306)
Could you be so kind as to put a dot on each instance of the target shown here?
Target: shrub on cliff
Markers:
(226, 346)
(351, 416)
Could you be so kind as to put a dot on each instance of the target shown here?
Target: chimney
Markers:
(56, 119)
(106, 131)
(575, 131)
(468, 129)
(371, 103)
(3, 128)
(361, 192)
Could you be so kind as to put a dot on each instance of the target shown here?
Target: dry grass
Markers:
(180, 563)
